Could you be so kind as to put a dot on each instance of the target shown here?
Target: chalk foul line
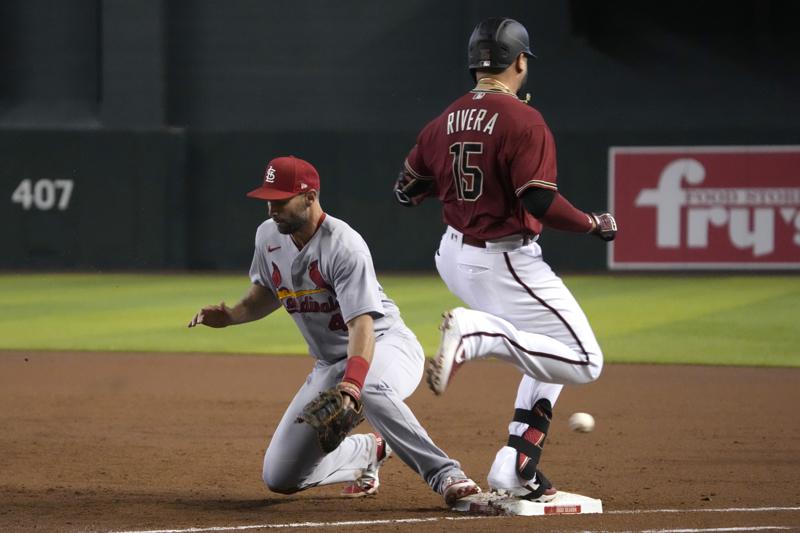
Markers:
(709, 510)
(290, 525)
(344, 523)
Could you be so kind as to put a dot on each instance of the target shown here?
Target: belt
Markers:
(479, 243)
(472, 241)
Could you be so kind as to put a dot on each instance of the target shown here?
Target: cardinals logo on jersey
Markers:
(316, 276)
(304, 301)
(276, 276)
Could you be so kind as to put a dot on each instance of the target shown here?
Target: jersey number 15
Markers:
(468, 178)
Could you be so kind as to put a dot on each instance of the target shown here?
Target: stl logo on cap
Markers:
(285, 177)
(269, 176)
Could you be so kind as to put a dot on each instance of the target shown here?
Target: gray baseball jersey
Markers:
(324, 285)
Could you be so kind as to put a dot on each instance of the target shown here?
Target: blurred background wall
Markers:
(130, 130)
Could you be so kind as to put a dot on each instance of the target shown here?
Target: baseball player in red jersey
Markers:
(490, 159)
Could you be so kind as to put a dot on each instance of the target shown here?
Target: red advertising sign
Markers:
(731, 207)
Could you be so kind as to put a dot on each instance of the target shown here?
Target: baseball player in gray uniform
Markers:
(320, 270)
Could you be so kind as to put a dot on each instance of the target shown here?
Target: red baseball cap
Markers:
(285, 177)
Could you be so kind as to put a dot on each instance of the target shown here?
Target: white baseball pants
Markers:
(521, 313)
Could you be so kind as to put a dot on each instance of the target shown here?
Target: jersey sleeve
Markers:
(533, 161)
(415, 161)
(259, 269)
(355, 283)
(414, 165)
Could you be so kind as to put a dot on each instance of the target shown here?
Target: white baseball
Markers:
(581, 422)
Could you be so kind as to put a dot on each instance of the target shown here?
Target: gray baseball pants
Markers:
(294, 460)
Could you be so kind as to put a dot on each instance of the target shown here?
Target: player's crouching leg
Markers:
(290, 463)
(278, 479)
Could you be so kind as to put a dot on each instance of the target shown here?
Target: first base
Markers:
(492, 503)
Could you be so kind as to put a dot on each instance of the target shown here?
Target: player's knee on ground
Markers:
(279, 480)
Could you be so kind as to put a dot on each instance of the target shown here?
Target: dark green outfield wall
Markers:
(358, 170)
(92, 200)
(164, 200)
(163, 113)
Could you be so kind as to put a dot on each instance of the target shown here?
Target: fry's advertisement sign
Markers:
(731, 207)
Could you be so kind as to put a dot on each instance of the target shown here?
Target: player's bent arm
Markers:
(412, 187)
(361, 337)
(257, 303)
(338, 410)
(410, 191)
(360, 347)
(556, 212)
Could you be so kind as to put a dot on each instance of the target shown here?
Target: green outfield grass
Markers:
(731, 319)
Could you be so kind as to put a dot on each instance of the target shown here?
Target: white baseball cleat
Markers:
(367, 483)
(456, 489)
(539, 490)
(525, 493)
(450, 355)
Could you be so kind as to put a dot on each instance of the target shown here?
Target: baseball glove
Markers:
(330, 418)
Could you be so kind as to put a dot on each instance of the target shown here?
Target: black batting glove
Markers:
(409, 191)
(604, 226)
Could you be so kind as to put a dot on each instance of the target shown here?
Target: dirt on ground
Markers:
(131, 442)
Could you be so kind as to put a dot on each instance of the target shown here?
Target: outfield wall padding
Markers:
(148, 200)
(126, 208)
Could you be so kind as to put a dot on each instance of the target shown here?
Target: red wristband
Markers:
(356, 370)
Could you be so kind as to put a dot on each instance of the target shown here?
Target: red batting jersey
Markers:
(483, 152)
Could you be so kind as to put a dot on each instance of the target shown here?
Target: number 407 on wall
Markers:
(44, 194)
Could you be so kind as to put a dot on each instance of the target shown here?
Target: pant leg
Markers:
(521, 312)
(538, 356)
(395, 373)
(294, 460)
(518, 298)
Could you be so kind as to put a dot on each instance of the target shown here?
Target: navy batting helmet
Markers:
(495, 44)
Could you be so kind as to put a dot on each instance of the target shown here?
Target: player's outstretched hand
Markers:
(214, 316)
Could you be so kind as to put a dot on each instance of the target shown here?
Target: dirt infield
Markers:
(123, 442)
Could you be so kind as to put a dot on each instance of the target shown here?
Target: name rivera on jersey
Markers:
(470, 120)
